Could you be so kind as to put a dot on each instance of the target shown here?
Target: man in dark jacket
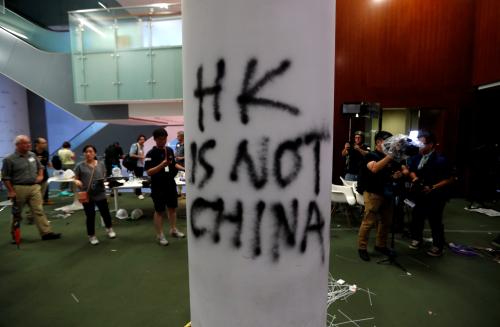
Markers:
(112, 156)
(431, 175)
(42, 154)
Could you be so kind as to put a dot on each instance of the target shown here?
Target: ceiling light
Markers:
(90, 25)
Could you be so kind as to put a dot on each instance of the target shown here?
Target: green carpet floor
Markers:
(132, 281)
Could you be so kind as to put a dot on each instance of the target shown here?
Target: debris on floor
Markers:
(488, 212)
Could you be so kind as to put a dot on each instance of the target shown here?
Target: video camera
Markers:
(401, 147)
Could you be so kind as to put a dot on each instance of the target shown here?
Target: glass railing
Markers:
(33, 34)
(127, 53)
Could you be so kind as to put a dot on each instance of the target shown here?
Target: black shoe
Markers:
(384, 250)
(363, 254)
(435, 252)
(51, 236)
(415, 245)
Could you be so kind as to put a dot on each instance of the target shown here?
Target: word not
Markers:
(257, 167)
(285, 224)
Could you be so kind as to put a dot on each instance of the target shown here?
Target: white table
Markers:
(126, 185)
(76, 205)
(136, 184)
(60, 180)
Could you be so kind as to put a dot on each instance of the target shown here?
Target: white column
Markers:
(258, 106)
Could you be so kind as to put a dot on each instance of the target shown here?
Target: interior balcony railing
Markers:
(126, 54)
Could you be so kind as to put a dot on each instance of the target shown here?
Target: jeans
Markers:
(89, 209)
(138, 172)
(351, 177)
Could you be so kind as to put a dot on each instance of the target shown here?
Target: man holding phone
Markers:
(161, 166)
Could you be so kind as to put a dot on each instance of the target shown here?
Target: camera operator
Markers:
(353, 155)
(376, 181)
(431, 175)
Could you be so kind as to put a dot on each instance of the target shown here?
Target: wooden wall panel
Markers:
(403, 53)
(487, 42)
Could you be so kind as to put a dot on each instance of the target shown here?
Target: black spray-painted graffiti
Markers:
(260, 166)
(285, 228)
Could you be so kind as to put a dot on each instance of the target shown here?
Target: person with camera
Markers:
(161, 166)
(430, 174)
(375, 182)
(353, 155)
(89, 177)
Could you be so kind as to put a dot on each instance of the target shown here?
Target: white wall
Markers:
(14, 119)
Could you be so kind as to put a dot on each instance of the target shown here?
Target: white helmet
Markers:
(58, 173)
(122, 214)
(116, 172)
(68, 173)
(136, 214)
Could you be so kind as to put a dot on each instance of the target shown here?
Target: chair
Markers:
(358, 196)
(347, 183)
(342, 195)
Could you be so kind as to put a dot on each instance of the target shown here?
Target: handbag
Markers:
(83, 196)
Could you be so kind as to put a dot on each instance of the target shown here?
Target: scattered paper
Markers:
(488, 212)
(409, 203)
(75, 298)
(6, 203)
(338, 290)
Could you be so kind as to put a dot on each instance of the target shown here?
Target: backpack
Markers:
(129, 163)
(56, 162)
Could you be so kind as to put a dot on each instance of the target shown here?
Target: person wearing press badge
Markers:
(22, 174)
(160, 164)
(89, 177)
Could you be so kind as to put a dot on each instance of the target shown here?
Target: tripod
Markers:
(391, 257)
